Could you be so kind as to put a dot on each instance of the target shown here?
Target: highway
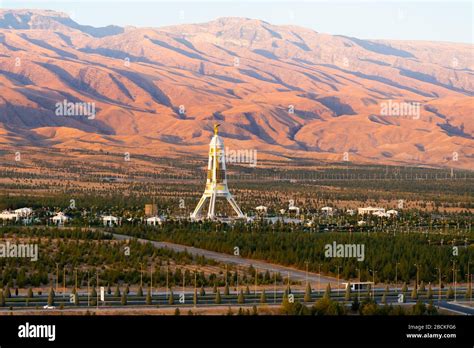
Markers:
(160, 299)
(295, 275)
(457, 307)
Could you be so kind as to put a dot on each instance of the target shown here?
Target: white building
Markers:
(370, 210)
(327, 210)
(23, 212)
(8, 215)
(154, 221)
(350, 212)
(60, 218)
(110, 220)
(392, 212)
(294, 209)
(380, 214)
(261, 209)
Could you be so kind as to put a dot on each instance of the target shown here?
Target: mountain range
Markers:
(285, 91)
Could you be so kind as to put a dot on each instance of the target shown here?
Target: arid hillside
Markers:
(285, 91)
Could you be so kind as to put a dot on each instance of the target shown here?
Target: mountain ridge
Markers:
(279, 89)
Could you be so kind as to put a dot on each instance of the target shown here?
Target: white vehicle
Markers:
(49, 307)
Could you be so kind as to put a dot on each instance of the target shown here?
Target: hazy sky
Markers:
(405, 20)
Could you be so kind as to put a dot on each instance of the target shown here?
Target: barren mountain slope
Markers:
(283, 90)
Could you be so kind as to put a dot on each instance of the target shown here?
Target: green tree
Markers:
(51, 297)
(450, 293)
(368, 308)
(195, 297)
(2, 299)
(93, 297)
(241, 298)
(404, 288)
(117, 291)
(307, 294)
(326, 306)
(347, 296)
(419, 308)
(226, 290)
(202, 292)
(171, 298)
(218, 297)
(327, 293)
(30, 292)
(431, 309)
(263, 297)
(123, 300)
(286, 306)
(254, 310)
(148, 297)
(355, 304)
(429, 294)
(140, 292)
(6, 292)
(414, 293)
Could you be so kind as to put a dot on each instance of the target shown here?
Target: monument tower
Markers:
(216, 183)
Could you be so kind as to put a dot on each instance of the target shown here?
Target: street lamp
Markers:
(141, 275)
(167, 288)
(98, 288)
(373, 282)
(396, 277)
(469, 280)
(88, 292)
(151, 281)
(319, 280)
(306, 263)
(195, 286)
(417, 275)
(358, 286)
(57, 277)
(454, 279)
(64, 280)
(338, 267)
(256, 283)
(274, 288)
(439, 285)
